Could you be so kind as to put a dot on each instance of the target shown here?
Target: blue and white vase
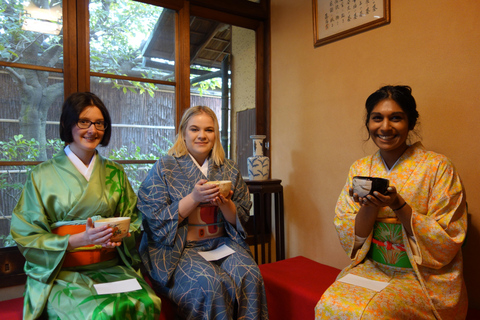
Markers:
(258, 165)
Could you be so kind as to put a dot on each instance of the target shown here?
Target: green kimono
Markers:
(55, 194)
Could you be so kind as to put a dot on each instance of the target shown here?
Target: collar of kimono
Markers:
(203, 167)
(81, 167)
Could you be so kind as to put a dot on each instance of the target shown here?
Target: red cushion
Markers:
(294, 286)
(11, 309)
(169, 309)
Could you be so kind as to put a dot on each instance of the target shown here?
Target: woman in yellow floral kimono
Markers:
(66, 256)
(409, 238)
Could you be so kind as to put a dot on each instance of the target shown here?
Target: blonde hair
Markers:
(179, 148)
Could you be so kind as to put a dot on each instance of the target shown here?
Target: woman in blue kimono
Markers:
(182, 215)
(53, 227)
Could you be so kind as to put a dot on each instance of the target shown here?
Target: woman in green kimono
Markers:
(52, 225)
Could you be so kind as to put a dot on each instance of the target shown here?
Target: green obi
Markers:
(387, 245)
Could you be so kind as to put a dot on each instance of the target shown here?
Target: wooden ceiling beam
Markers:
(209, 35)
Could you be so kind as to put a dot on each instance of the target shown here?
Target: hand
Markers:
(92, 236)
(377, 200)
(221, 201)
(115, 244)
(228, 207)
(204, 192)
(99, 236)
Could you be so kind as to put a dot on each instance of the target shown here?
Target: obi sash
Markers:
(207, 223)
(387, 244)
(86, 255)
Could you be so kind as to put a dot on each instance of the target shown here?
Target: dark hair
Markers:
(402, 95)
(71, 109)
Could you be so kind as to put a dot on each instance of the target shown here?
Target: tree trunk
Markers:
(36, 94)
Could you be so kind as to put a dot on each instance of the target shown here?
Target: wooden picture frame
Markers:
(337, 19)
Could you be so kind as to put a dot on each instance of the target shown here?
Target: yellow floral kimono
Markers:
(434, 287)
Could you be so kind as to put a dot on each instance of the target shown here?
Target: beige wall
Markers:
(318, 97)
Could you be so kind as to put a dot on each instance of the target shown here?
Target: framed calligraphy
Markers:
(337, 19)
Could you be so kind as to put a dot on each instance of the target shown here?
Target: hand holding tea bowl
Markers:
(119, 226)
(225, 186)
(223, 200)
(372, 190)
(364, 186)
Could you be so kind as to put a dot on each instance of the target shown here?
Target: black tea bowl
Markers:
(364, 186)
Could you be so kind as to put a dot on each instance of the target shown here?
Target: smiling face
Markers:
(200, 136)
(86, 140)
(388, 128)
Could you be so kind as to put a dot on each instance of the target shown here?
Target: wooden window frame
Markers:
(242, 13)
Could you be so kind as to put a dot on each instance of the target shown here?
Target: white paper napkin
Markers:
(117, 286)
(364, 282)
(217, 254)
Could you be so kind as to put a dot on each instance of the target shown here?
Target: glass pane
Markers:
(12, 179)
(132, 39)
(30, 34)
(142, 46)
(29, 122)
(210, 58)
(143, 123)
(31, 113)
(222, 76)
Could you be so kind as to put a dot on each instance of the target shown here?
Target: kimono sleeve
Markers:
(440, 233)
(345, 213)
(159, 212)
(127, 207)
(241, 198)
(30, 228)
(127, 204)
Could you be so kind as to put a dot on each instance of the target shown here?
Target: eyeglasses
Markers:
(85, 124)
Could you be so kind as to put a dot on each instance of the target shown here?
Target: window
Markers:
(32, 77)
(137, 87)
(142, 62)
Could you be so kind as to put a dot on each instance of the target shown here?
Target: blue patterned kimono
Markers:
(230, 288)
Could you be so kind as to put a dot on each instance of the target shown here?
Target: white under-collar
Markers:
(81, 167)
(385, 164)
(203, 167)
